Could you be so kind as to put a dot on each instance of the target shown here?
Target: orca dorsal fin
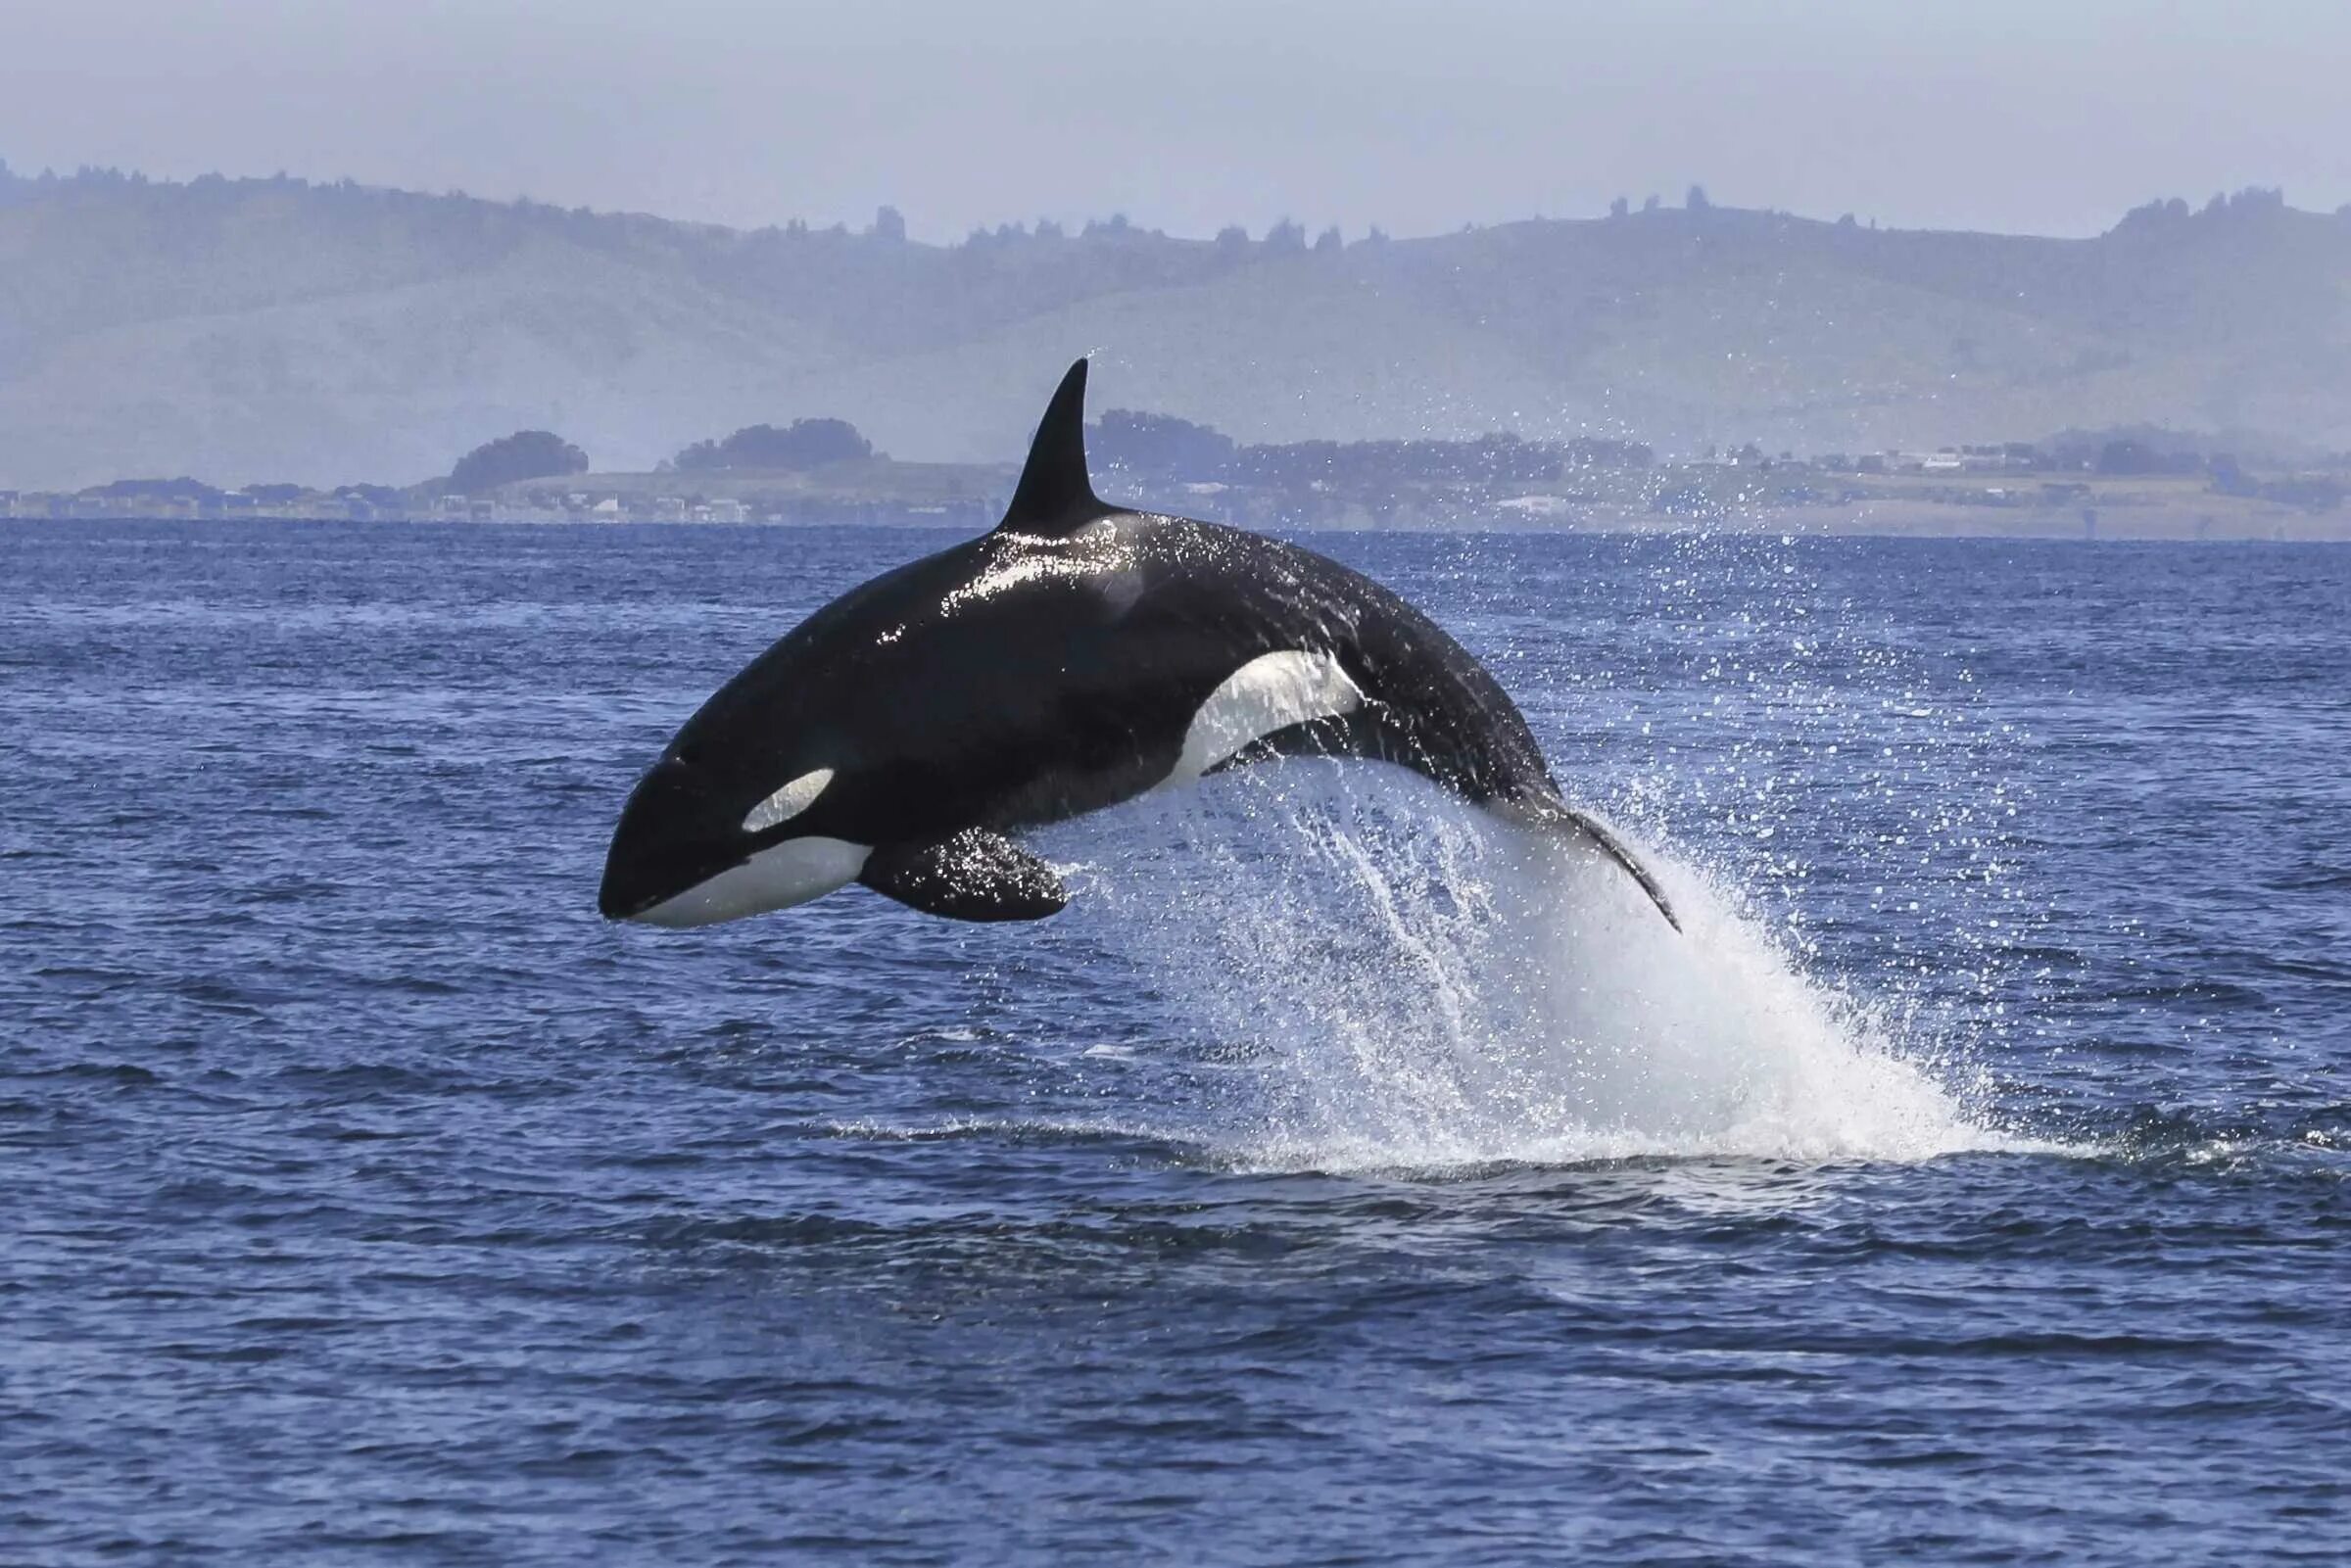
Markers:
(1055, 494)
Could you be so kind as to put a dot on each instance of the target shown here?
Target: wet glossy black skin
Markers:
(1023, 677)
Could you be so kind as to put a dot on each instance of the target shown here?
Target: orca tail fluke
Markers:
(1614, 849)
(1558, 817)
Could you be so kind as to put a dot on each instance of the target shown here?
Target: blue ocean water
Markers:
(1331, 1184)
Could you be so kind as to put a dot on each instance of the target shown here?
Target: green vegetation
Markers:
(524, 455)
(1162, 446)
(806, 444)
(155, 489)
(1159, 443)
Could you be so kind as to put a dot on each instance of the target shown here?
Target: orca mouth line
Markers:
(627, 892)
(612, 908)
(615, 906)
(669, 842)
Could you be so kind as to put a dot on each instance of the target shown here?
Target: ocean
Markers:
(1328, 1184)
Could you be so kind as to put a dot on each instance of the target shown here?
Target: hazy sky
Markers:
(2050, 116)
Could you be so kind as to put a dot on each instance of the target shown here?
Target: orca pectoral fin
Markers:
(973, 874)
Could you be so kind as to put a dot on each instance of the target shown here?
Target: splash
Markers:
(1411, 984)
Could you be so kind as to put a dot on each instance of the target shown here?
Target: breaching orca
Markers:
(1077, 657)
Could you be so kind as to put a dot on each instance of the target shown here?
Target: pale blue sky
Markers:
(2048, 117)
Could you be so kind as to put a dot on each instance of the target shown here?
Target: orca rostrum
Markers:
(1077, 657)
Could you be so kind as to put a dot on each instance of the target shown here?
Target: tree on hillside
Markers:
(1376, 466)
(805, 443)
(1697, 200)
(180, 489)
(1161, 443)
(524, 455)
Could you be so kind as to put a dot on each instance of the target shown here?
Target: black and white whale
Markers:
(1077, 657)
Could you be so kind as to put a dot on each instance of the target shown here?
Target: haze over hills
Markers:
(270, 329)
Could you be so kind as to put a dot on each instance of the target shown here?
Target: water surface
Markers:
(1335, 1181)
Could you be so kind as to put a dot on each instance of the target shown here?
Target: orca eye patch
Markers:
(787, 802)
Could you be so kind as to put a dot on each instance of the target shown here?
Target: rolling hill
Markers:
(246, 330)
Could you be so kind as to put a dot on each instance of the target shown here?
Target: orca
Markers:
(1077, 657)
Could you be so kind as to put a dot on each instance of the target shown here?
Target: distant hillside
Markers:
(245, 330)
